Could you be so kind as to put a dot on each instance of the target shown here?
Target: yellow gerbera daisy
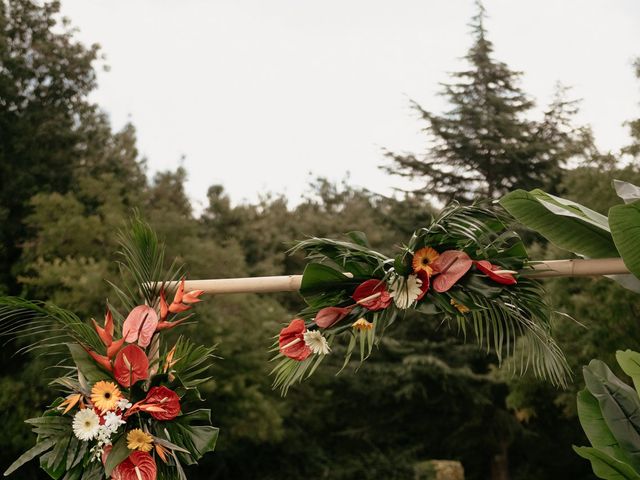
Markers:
(362, 324)
(460, 307)
(139, 440)
(423, 258)
(105, 395)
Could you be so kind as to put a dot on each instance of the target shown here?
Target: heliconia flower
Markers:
(165, 399)
(137, 466)
(114, 348)
(169, 325)
(130, 366)
(362, 324)
(422, 260)
(291, 340)
(164, 308)
(177, 298)
(372, 294)
(450, 267)
(161, 451)
(192, 296)
(329, 316)
(106, 333)
(71, 402)
(101, 360)
(140, 325)
(496, 273)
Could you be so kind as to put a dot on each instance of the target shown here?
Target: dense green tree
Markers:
(486, 144)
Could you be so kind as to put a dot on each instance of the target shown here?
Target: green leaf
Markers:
(606, 467)
(629, 361)
(567, 224)
(595, 426)
(624, 221)
(38, 449)
(185, 432)
(321, 278)
(627, 191)
(89, 368)
(117, 455)
(619, 405)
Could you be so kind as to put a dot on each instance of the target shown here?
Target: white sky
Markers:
(257, 94)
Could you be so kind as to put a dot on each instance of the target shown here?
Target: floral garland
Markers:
(125, 412)
(464, 266)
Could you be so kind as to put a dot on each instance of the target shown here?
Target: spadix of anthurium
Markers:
(449, 267)
(496, 272)
(140, 325)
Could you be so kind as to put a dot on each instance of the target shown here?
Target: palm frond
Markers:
(44, 325)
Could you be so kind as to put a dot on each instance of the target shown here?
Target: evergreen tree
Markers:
(485, 145)
(634, 126)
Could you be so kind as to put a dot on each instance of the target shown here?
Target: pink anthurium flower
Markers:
(140, 325)
(496, 273)
(450, 267)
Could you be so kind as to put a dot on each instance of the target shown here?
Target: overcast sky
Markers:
(257, 94)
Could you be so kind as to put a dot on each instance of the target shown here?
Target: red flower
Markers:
(292, 340)
(106, 333)
(101, 360)
(140, 325)
(450, 267)
(161, 403)
(424, 276)
(137, 466)
(372, 295)
(130, 366)
(505, 277)
(329, 316)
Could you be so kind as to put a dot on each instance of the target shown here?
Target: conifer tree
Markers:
(485, 144)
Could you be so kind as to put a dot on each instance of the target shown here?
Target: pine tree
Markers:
(485, 145)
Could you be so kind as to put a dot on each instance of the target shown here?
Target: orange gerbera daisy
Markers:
(423, 258)
(105, 395)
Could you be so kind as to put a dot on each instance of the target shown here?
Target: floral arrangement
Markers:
(125, 410)
(463, 266)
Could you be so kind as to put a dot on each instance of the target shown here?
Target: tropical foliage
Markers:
(463, 266)
(125, 411)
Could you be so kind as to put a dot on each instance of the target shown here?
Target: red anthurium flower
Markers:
(496, 273)
(373, 295)
(292, 340)
(450, 267)
(137, 466)
(329, 316)
(140, 325)
(161, 403)
(425, 278)
(130, 366)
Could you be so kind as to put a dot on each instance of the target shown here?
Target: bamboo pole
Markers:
(291, 283)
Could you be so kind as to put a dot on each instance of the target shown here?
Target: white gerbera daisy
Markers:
(405, 291)
(86, 424)
(316, 342)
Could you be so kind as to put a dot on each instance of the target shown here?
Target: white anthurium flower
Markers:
(405, 291)
(86, 424)
(316, 342)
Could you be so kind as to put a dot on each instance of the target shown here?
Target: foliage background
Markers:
(69, 183)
